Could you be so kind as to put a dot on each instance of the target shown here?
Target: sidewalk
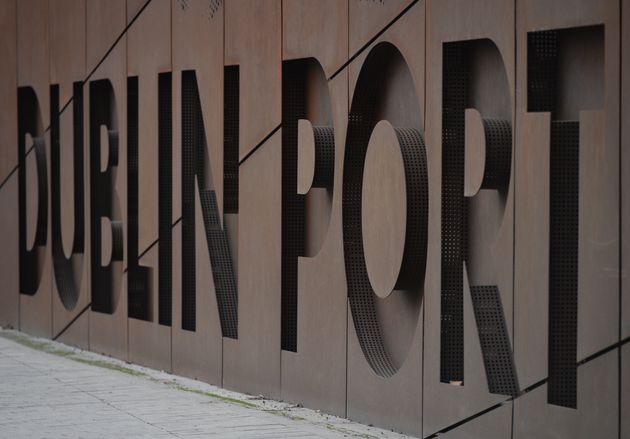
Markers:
(49, 390)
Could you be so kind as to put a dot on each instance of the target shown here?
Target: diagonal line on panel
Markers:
(261, 143)
(65, 328)
(66, 105)
(84, 81)
(15, 168)
(9, 175)
(340, 69)
(374, 38)
(113, 46)
(604, 351)
(534, 386)
(157, 240)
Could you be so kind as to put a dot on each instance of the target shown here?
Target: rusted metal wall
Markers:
(412, 213)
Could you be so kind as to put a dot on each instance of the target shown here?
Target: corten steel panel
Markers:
(369, 17)
(253, 41)
(112, 18)
(196, 354)
(148, 54)
(33, 71)
(318, 30)
(251, 363)
(394, 401)
(625, 391)
(194, 31)
(67, 67)
(587, 80)
(625, 171)
(384, 209)
(105, 21)
(315, 375)
(67, 47)
(597, 415)
(150, 342)
(8, 162)
(533, 162)
(483, 426)
(8, 88)
(9, 298)
(484, 31)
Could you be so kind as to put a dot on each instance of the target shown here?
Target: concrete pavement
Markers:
(49, 390)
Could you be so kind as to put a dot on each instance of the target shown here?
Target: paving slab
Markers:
(49, 390)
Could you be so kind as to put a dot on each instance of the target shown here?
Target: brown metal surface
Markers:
(369, 17)
(384, 209)
(67, 67)
(475, 156)
(625, 169)
(148, 55)
(488, 229)
(624, 386)
(252, 362)
(597, 109)
(105, 22)
(597, 406)
(200, 353)
(33, 71)
(315, 375)
(316, 267)
(625, 391)
(395, 401)
(259, 59)
(8, 87)
(9, 300)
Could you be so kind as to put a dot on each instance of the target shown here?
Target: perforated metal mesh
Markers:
(542, 70)
(293, 109)
(416, 184)
(360, 292)
(117, 240)
(79, 175)
(137, 276)
(494, 340)
(42, 191)
(230, 139)
(213, 7)
(101, 196)
(563, 262)
(112, 139)
(542, 82)
(294, 104)
(221, 260)
(30, 267)
(324, 156)
(454, 101)
(495, 343)
(165, 199)
(362, 119)
(63, 266)
(193, 158)
(190, 134)
(498, 165)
